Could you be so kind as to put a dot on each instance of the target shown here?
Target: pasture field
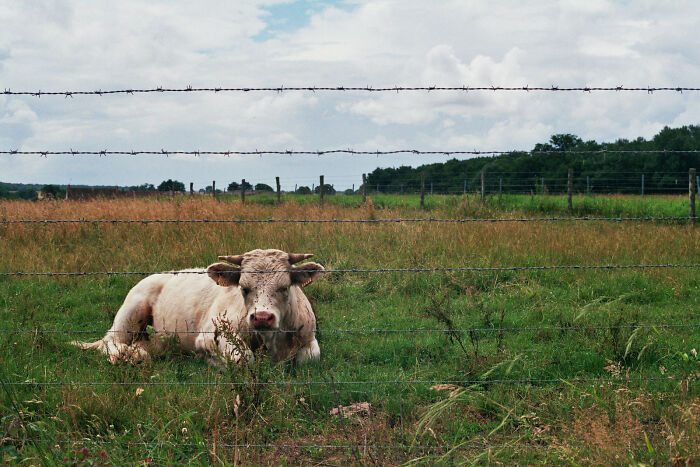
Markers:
(515, 395)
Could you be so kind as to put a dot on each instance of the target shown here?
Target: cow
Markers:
(223, 312)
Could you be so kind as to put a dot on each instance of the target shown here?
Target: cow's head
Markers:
(266, 295)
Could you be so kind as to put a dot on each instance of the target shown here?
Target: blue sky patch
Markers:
(294, 15)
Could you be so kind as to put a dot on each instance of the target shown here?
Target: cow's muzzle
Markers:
(262, 320)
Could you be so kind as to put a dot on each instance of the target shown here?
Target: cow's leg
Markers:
(310, 351)
(133, 317)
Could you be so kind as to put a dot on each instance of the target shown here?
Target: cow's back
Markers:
(191, 302)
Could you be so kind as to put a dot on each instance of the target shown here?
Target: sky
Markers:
(52, 45)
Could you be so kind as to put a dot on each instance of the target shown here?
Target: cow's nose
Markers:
(262, 319)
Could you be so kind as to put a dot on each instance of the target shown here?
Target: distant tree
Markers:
(143, 187)
(53, 191)
(327, 189)
(27, 193)
(173, 185)
(263, 187)
(235, 186)
(303, 190)
(207, 189)
(349, 192)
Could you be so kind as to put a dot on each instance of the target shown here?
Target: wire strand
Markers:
(369, 89)
(339, 221)
(344, 383)
(378, 270)
(360, 331)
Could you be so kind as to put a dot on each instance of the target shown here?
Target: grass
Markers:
(575, 422)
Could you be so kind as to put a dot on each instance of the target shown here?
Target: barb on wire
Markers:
(336, 221)
(369, 89)
(469, 382)
(360, 331)
(378, 270)
(349, 151)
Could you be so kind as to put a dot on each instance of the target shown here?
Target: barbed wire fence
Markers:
(30, 383)
(369, 89)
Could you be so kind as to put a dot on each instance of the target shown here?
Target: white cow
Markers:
(195, 307)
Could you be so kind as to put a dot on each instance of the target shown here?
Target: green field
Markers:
(515, 395)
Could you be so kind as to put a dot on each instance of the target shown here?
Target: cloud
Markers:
(102, 45)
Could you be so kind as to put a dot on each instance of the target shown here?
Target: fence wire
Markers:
(256, 152)
(469, 382)
(340, 221)
(362, 331)
(402, 447)
(370, 89)
(378, 270)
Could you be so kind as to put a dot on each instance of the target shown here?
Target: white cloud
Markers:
(91, 45)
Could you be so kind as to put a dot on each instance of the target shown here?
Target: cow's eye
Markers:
(245, 290)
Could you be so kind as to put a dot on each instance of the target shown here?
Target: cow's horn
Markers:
(233, 259)
(296, 257)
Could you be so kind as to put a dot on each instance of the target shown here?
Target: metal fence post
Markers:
(320, 191)
(464, 191)
(431, 188)
(422, 190)
(279, 192)
(500, 186)
(588, 185)
(364, 188)
(542, 182)
(691, 196)
(483, 185)
(642, 185)
(243, 191)
(570, 191)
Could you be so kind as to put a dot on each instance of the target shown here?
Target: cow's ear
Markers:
(306, 273)
(224, 274)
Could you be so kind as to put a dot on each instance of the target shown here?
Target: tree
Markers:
(327, 189)
(173, 185)
(143, 187)
(304, 190)
(235, 186)
(263, 187)
(27, 193)
(53, 191)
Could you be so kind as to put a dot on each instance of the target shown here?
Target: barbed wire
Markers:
(470, 382)
(336, 221)
(256, 152)
(357, 270)
(370, 89)
(403, 447)
(359, 331)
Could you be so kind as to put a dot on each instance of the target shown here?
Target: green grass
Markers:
(555, 422)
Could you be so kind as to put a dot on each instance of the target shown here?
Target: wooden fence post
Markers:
(67, 191)
(279, 192)
(691, 196)
(243, 191)
(213, 188)
(191, 189)
(422, 190)
(320, 191)
(483, 185)
(642, 185)
(464, 191)
(364, 188)
(570, 191)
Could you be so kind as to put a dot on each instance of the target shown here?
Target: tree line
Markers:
(550, 162)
